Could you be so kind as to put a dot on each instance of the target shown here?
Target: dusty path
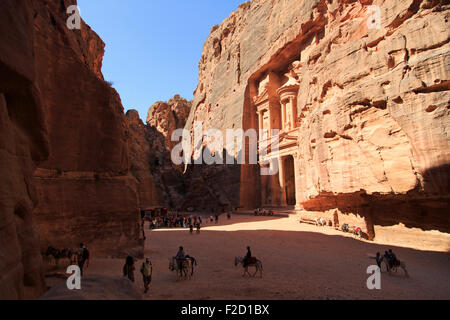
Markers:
(299, 263)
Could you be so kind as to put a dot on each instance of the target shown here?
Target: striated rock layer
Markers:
(57, 113)
(371, 114)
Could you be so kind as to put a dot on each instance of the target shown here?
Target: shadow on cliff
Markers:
(214, 187)
(426, 207)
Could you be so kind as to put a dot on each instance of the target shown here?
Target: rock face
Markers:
(143, 158)
(169, 116)
(369, 135)
(160, 182)
(57, 113)
(84, 189)
(23, 144)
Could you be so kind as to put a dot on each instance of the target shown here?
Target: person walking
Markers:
(84, 257)
(146, 271)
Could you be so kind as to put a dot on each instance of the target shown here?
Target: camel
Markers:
(255, 263)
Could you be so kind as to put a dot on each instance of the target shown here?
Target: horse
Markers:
(397, 264)
(252, 263)
(187, 268)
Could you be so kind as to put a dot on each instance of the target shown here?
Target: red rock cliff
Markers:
(57, 113)
(370, 116)
(84, 189)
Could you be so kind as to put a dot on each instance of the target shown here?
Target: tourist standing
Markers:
(84, 257)
(146, 271)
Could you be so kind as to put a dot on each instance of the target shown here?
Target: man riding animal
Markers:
(249, 261)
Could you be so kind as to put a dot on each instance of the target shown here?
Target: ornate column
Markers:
(281, 177)
(260, 118)
(293, 113)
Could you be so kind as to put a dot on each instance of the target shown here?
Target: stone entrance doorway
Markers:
(289, 180)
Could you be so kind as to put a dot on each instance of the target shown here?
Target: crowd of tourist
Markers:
(178, 220)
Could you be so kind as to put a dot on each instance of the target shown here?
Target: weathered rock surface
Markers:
(169, 116)
(23, 144)
(160, 182)
(57, 112)
(84, 189)
(144, 158)
(373, 104)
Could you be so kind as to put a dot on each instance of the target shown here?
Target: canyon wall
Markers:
(372, 108)
(23, 145)
(84, 188)
(63, 146)
(159, 181)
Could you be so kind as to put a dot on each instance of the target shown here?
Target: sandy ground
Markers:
(300, 262)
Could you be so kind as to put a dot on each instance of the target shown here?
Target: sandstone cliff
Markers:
(169, 116)
(160, 182)
(85, 194)
(57, 112)
(372, 105)
(23, 144)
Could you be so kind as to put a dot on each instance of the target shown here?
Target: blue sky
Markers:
(153, 46)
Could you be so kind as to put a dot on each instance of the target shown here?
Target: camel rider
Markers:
(180, 258)
(248, 256)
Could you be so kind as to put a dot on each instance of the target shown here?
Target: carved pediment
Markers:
(263, 97)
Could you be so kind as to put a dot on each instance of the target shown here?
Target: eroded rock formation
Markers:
(160, 182)
(144, 158)
(23, 145)
(169, 116)
(57, 113)
(362, 105)
(84, 189)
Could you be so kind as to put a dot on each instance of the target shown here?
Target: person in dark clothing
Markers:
(84, 256)
(387, 257)
(392, 258)
(378, 259)
(128, 268)
(180, 258)
(247, 257)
